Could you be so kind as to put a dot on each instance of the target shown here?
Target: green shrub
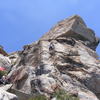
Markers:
(39, 97)
(62, 95)
(2, 73)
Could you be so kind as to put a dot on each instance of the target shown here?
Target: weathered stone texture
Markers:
(64, 58)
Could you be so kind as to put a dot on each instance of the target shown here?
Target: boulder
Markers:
(5, 62)
(14, 56)
(74, 27)
(7, 96)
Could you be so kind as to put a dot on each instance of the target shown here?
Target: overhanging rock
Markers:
(71, 27)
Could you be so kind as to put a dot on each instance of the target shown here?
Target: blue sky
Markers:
(25, 21)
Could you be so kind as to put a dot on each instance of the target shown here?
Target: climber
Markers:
(2, 71)
(51, 46)
(51, 49)
(4, 80)
(3, 76)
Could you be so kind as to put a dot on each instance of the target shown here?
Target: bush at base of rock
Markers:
(2, 73)
(62, 95)
(40, 97)
(59, 95)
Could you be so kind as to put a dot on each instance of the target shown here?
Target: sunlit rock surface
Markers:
(4, 95)
(64, 58)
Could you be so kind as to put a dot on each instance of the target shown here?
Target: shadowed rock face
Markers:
(64, 58)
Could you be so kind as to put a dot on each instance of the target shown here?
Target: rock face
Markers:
(64, 58)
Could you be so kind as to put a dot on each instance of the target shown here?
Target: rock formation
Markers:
(64, 58)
